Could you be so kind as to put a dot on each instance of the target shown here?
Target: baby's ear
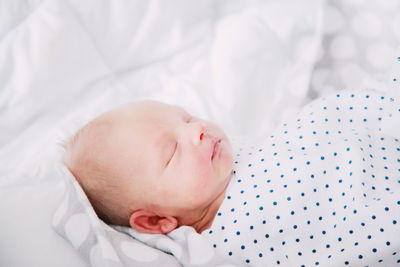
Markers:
(148, 222)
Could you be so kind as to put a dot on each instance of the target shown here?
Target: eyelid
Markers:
(169, 160)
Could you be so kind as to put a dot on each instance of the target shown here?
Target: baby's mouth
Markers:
(216, 148)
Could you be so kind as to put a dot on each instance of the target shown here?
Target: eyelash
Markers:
(176, 145)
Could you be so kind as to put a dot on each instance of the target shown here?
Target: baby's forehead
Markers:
(155, 109)
(145, 120)
(157, 104)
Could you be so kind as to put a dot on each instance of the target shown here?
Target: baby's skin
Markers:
(152, 166)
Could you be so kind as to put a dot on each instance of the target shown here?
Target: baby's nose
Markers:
(199, 133)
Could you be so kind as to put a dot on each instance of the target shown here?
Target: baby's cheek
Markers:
(200, 163)
(224, 164)
(226, 150)
(200, 175)
(201, 195)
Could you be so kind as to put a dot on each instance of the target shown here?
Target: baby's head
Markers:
(152, 166)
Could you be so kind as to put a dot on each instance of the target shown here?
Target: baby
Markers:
(152, 166)
(323, 189)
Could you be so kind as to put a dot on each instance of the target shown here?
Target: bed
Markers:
(63, 62)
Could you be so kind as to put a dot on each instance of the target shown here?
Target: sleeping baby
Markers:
(323, 189)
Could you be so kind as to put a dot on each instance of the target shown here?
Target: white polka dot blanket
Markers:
(323, 189)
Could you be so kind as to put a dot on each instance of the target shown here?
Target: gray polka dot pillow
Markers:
(360, 38)
(104, 245)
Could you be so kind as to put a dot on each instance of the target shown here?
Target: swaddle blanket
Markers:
(324, 189)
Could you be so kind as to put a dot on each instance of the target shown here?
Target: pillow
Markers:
(98, 243)
(360, 38)
(104, 245)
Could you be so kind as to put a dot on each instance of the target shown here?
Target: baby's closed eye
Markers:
(172, 153)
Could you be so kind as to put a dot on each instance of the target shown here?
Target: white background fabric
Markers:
(62, 62)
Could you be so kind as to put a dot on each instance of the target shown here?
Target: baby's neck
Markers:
(207, 216)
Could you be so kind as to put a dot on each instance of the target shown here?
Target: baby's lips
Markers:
(215, 147)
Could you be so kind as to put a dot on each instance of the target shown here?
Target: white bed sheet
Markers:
(27, 237)
(62, 62)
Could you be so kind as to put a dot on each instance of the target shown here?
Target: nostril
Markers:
(201, 136)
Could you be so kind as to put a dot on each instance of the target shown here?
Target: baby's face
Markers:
(180, 162)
